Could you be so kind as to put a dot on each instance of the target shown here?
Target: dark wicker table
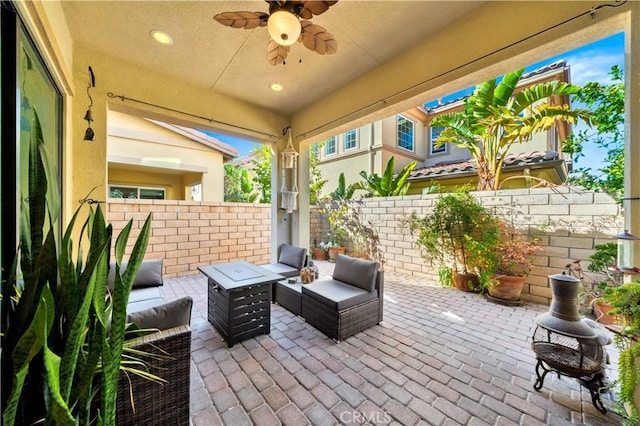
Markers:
(239, 305)
(289, 295)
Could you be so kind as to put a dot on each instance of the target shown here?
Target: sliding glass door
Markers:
(27, 90)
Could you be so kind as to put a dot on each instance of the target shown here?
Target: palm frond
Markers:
(504, 90)
(531, 95)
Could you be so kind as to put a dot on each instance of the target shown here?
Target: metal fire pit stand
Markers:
(570, 362)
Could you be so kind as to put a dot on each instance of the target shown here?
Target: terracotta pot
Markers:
(508, 287)
(601, 312)
(333, 252)
(319, 254)
(466, 282)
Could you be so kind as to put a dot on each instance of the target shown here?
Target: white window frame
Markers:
(432, 150)
(413, 133)
(355, 139)
(138, 188)
(326, 146)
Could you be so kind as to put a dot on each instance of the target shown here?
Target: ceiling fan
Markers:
(287, 23)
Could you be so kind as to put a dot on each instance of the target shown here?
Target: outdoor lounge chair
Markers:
(349, 302)
(290, 260)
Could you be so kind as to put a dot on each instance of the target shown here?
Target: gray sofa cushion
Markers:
(337, 295)
(165, 316)
(149, 274)
(292, 256)
(282, 269)
(144, 298)
(357, 272)
(145, 294)
(141, 305)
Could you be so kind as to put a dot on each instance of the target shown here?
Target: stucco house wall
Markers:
(142, 153)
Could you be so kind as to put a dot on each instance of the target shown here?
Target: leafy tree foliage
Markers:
(238, 187)
(607, 105)
(386, 185)
(261, 167)
(342, 191)
(495, 117)
(315, 175)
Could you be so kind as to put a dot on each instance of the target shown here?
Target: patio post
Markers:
(632, 130)
(291, 228)
(632, 136)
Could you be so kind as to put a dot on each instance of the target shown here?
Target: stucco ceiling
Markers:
(233, 61)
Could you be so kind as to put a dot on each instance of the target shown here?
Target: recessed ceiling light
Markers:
(276, 87)
(161, 37)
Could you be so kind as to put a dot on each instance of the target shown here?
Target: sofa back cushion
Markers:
(164, 317)
(149, 274)
(292, 256)
(356, 272)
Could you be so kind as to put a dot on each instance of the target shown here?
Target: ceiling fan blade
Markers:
(316, 7)
(242, 19)
(276, 54)
(316, 38)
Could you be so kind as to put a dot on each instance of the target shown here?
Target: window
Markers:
(136, 193)
(330, 146)
(435, 132)
(26, 85)
(350, 139)
(405, 133)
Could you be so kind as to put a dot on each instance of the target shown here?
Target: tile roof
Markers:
(445, 168)
(554, 66)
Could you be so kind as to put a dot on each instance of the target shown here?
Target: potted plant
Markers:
(318, 252)
(625, 300)
(58, 353)
(602, 274)
(336, 217)
(460, 232)
(513, 262)
(361, 232)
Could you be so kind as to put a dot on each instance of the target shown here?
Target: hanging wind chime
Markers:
(88, 116)
(289, 166)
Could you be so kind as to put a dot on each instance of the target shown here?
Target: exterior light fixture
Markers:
(161, 37)
(284, 27)
(276, 87)
(625, 250)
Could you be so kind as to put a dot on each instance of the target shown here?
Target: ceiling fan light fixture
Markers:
(284, 27)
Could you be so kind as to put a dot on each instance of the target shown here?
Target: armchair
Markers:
(349, 302)
(290, 260)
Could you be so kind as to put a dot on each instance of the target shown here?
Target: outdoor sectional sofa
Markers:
(349, 302)
(166, 349)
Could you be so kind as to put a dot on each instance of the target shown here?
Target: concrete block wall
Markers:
(567, 222)
(188, 234)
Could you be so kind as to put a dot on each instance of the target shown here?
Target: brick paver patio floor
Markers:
(440, 357)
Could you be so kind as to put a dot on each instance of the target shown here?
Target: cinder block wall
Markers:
(568, 224)
(188, 234)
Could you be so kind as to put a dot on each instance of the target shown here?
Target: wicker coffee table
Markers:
(289, 295)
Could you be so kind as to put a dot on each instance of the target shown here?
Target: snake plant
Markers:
(63, 328)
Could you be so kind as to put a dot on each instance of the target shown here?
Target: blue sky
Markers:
(591, 62)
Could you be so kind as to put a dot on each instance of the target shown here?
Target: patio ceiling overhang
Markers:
(380, 67)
